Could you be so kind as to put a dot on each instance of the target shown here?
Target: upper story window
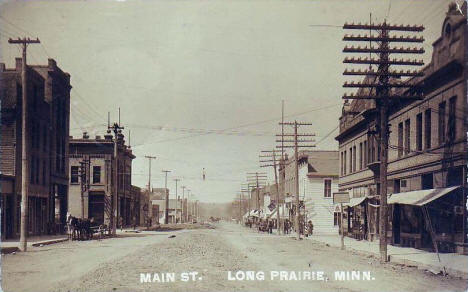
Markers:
(400, 139)
(419, 127)
(96, 174)
(427, 128)
(407, 136)
(74, 174)
(452, 119)
(327, 188)
(442, 106)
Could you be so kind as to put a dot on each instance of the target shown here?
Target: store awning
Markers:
(421, 197)
(355, 201)
(274, 216)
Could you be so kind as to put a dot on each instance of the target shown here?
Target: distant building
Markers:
(318, 179)
(427, 151)
(158, 202)
(97, 198)
(47, 134)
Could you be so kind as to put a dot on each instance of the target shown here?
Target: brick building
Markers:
(47, 136)
(427, 151)
(98, 196)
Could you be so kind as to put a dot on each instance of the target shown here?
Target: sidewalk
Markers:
(455, 264)
(11, 245)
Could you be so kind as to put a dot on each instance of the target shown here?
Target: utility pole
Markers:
(149, 171)
(166, 191)
(245, 188)
(259, 180)
(84, 177)
(188, 205)
(272, 154)
(117, 132)
(182, 217)
(295, 144)
(176, 199)
(384, 92)
(24, 42)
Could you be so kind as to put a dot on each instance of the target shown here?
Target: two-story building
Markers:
(91, 195)
(47, 147)
(427, 152)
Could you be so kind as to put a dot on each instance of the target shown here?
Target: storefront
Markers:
(356, 223)
(428, 219)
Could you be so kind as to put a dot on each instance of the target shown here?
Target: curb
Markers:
(48, 242)
(8, 250)
(406, 262)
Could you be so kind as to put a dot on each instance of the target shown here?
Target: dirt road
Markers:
(140, 263)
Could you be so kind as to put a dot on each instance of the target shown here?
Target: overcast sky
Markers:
(180, 69)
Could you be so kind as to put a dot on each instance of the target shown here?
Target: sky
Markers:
(200, 84)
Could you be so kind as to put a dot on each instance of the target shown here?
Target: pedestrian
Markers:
(121, 223)
(134, 222)
(270, 227)
(310, 228)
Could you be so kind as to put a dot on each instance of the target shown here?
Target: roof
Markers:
(419, 198)
(323, 163)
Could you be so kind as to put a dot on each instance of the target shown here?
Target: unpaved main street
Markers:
(116, 264)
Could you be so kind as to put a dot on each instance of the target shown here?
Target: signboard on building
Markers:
(340, 197)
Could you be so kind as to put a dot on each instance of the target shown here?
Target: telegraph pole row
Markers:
(176, 199)
(24, 42)
(182, 217)
(260, 180)
(384, 91)
(166, 191)
(274, 164)
(286, 138)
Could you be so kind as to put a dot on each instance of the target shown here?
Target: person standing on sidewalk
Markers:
(121, 223)
(310, 228)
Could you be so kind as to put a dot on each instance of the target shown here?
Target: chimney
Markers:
(52, 63)
(19, 63)
(85, 135)
(108, 136)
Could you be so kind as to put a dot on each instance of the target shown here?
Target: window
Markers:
(74, 174)
(344, 161)
(96, 174)
(419, 132)
(400, 139)
(44, 173)
(351, 160)
(336, 218)
(407, 136)
(354, 158)
(365, 153)
(360, 157)
(327, 188)
(427, 129)
(32, 167)
(451, 119)
(341, 156)
(45, 137)
(441, 123)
